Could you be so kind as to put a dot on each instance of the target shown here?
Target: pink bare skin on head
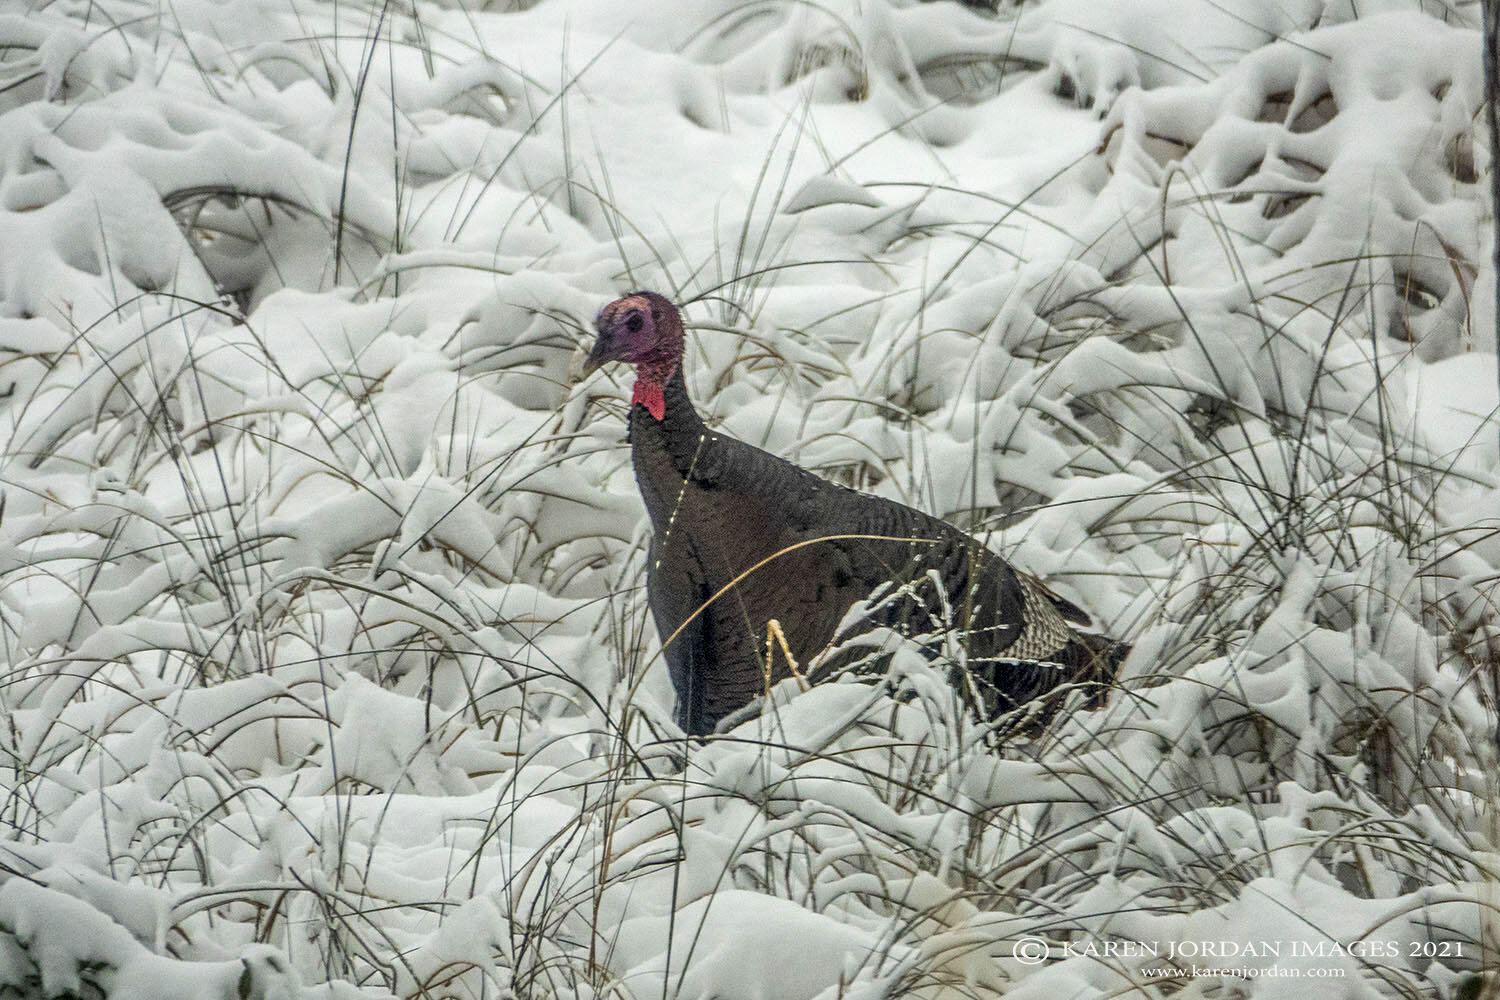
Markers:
(643, 329)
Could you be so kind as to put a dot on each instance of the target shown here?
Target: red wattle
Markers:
(649, 396)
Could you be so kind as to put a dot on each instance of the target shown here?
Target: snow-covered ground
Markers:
(327, 664)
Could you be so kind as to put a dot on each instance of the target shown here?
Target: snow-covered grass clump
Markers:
(327, 664)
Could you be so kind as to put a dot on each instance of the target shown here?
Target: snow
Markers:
(328, 667)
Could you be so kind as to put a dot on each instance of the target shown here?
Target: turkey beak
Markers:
(599, 355)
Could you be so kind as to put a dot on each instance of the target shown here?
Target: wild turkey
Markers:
(741, 537)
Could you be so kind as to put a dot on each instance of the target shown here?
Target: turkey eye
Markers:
(633, 323)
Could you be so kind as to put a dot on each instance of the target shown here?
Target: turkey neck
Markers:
(669, 451)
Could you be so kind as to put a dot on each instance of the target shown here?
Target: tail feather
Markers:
(1095, 660)
(1070, 611)
(1088, 662)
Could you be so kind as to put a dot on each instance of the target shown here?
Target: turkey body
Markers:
(741, 538)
